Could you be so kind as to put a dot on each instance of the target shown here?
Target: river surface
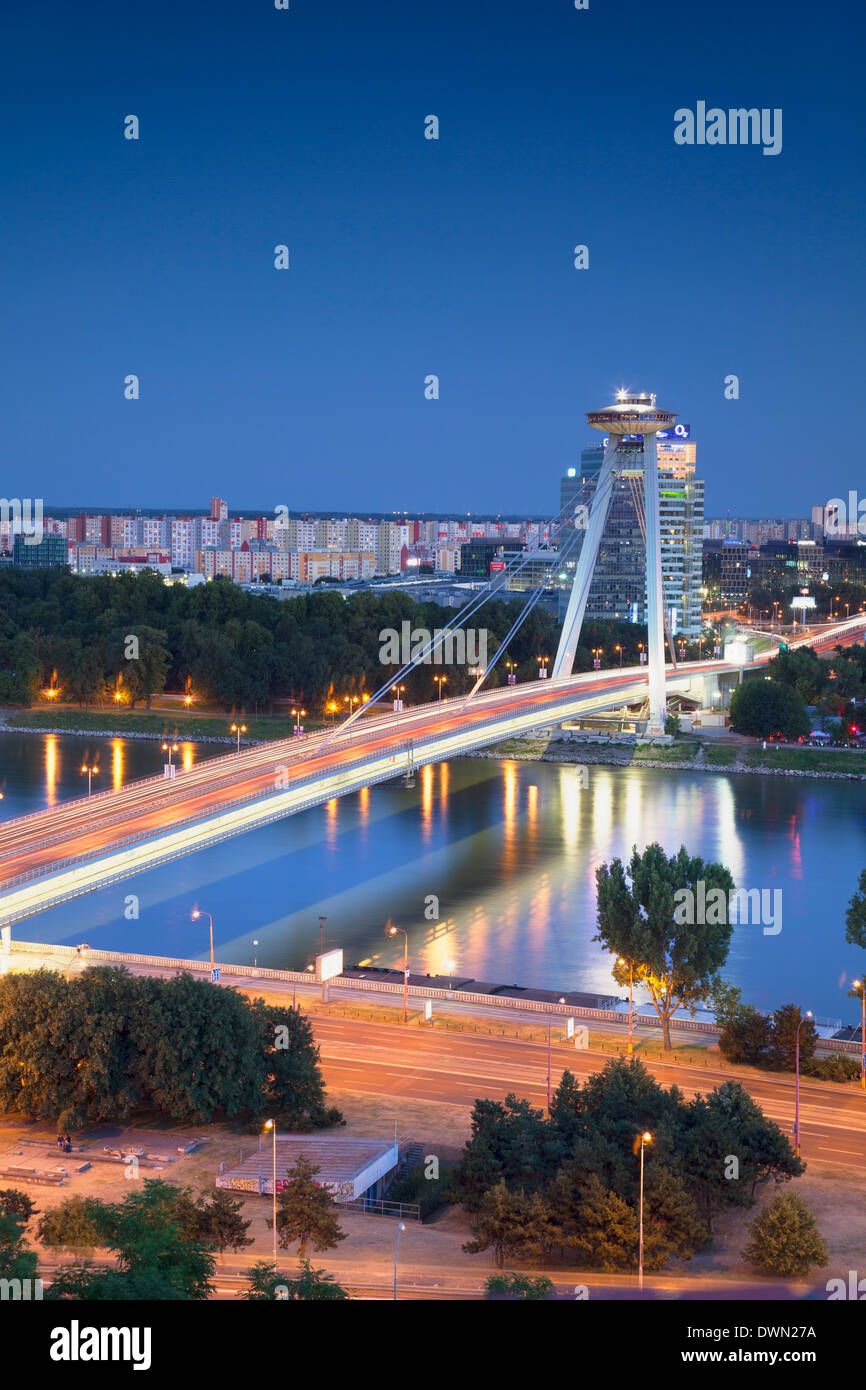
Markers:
(505, 851)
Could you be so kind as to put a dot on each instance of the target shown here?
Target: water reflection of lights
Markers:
(426, 801)
(187, 756)
(52, 769)
(116, 764)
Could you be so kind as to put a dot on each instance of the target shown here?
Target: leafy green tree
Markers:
(785, 1239)
(19, 1205)
(515, 1224)
(783, 1041)
(292, 1089)
(306, 1212)
(606, 1236)
(763, 708)
(17, 1261)
(855, 915)
(637, 922)
(220, 1223)
(525, 1286)
(78, 1221)
(265, 1285)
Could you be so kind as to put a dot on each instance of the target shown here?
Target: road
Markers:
(381, 1059)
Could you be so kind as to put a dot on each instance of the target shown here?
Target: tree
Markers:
(159, 1252)
(523, 1286)
(18, 1205)
(606, 1236)
(17, 1261)
(77, 1221)
(516, 1224)
(293, 1091)
(265, 1284)
(855, 916)
(785, 1238)
(306, 1212)
(763, 708)
(637, 922)
(220, 1223)
(783, 1038)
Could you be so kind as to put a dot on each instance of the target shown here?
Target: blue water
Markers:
(508, 851)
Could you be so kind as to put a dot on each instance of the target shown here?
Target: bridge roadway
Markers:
(56, 854)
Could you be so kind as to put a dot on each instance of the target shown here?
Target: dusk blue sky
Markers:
(409, 256)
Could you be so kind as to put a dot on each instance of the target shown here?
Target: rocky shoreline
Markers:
(592, 754)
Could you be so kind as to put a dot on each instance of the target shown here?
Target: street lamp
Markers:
(807, 1014)
(542, 667)
(92, 771)
(255, 958)
(196, 913)
(240, 729)
(169, 748)
(440, 681)
(630, 965)
(859, 984)
(618, 648)
(392, 931)
(646, 1138)
(298, 714)
(272, 1125)
(560, 1000)
(401, 1226)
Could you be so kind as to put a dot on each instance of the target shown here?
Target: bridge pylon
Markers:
(633, 419)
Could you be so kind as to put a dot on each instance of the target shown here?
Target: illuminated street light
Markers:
(859, 985)
(401, 1226)
(92, 771)
(391, 930)
(196, 913)
(440, 681)
(272, 1125)
(298, 714)
(807, 1014)
(646, 1138)
(239, 729)
(169, 748)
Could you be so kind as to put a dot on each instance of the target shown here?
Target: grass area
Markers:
(179, 725)
(676, 753)
(720, 757)
(807, 759)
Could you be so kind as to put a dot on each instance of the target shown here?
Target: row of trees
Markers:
(163, 1238)
(568, 1182)
(108, 1044)
(775, 701)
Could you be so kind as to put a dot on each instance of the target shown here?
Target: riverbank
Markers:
(692, 755)
(147, 725)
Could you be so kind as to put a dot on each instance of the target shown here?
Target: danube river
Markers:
(505, 851)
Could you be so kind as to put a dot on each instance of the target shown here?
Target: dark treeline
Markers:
(241, 650)
(108, 1045)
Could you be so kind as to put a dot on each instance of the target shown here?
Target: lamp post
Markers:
(440, 681)
(240, 729)
(322, 921)
(255, 958)
(392, 931)
(401, 1226)
(196, 913)
(861, 985)
(618, 648)
(297, 715)
(560, 1000)
(272, 1126)
(807, 1014)
(542, 667)
(92, 770)
(646, 1138)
